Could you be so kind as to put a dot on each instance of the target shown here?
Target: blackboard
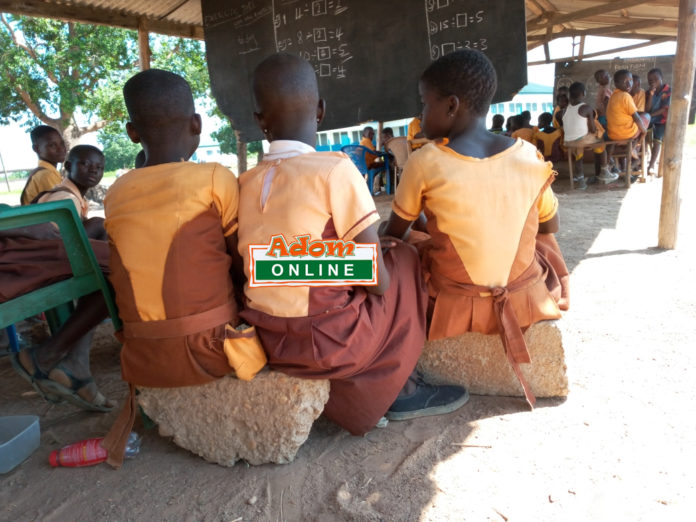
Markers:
(567, 73)
(368, 54)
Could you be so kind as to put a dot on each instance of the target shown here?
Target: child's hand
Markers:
(387, 242)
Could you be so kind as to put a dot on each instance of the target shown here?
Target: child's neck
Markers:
(54, 163)
(81, 188)
(475, 141)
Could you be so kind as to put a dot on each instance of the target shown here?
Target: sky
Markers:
(16, 153)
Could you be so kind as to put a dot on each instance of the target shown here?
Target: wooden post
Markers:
(143, 44)
(673, 148)
(241, 154)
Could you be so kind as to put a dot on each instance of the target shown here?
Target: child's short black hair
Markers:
(526, 116)
(78, 150)
(40, 131)
(157, 95)
(498, 120)
(467, 74)
(545, 119)
(388, 131)
(562, 89)
(657, 71)
(576, 89)
(621, 74)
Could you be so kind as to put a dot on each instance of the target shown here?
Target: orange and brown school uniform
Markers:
(66, 189)
(170, 269)
(639, 100)
(42, 178)
(526, 133)
(414, 127)
(27, 264)
(369, 158)
(556, 119)
(366, 345)
(487, 268)
(550, 143)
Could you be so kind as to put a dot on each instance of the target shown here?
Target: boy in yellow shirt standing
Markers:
(50, 147)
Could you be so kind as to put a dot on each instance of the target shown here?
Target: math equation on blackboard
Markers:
(451, 28)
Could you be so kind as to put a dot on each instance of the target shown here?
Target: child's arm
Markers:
(95, 228)
(395, 226)
(639, 122)
(588, 112)
(369, 235)
(547, 206)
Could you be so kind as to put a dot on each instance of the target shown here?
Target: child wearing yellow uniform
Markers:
(491, 261)
(50, 147)
(365, 339)
(172, 229)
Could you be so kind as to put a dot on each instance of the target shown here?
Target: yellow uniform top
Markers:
(414, 128)
(369, 158)
(335, 203)
(481, 205)
(45, 177)
(620, 111)
(639, 100)
(167, 226)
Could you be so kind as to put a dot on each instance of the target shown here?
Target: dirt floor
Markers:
(621, 447)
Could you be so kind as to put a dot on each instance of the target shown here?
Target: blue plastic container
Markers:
(19, 438)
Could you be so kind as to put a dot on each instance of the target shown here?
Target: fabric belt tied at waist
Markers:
(180, 326)
(508, 326)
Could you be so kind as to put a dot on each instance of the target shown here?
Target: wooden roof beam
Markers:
(608, 51)
(600, 31)
(94, 15)
(542, 22)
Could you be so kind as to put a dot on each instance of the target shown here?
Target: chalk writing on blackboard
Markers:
(450, 30)
(322, 45)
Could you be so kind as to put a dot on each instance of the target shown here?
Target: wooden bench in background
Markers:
(615, 149)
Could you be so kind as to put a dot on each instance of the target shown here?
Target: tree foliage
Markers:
(55, 71)
(64, 73)
(70, 76)
(119, 150)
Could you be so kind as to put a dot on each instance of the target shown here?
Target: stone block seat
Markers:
(478, 362)
(263, 420)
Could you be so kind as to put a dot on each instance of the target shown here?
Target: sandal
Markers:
(98, 403)
(34, 378)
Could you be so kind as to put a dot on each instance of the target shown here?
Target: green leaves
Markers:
(55, 71)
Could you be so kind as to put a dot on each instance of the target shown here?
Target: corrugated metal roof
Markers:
(546, 19)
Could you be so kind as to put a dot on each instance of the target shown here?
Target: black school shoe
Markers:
(427, 400)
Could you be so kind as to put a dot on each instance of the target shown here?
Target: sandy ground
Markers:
(621, 447)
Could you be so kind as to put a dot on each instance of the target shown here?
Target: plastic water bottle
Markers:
(90, 452)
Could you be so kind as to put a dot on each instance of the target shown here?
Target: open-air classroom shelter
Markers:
(654, 21)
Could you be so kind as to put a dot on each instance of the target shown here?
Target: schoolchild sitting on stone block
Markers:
(490, 260)
(172, 229)
(364, 339)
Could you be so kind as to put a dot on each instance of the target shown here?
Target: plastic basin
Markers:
(19, 438)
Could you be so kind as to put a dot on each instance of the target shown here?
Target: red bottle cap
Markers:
(53, 459)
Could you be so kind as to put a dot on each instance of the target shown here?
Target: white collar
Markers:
(282, 149)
